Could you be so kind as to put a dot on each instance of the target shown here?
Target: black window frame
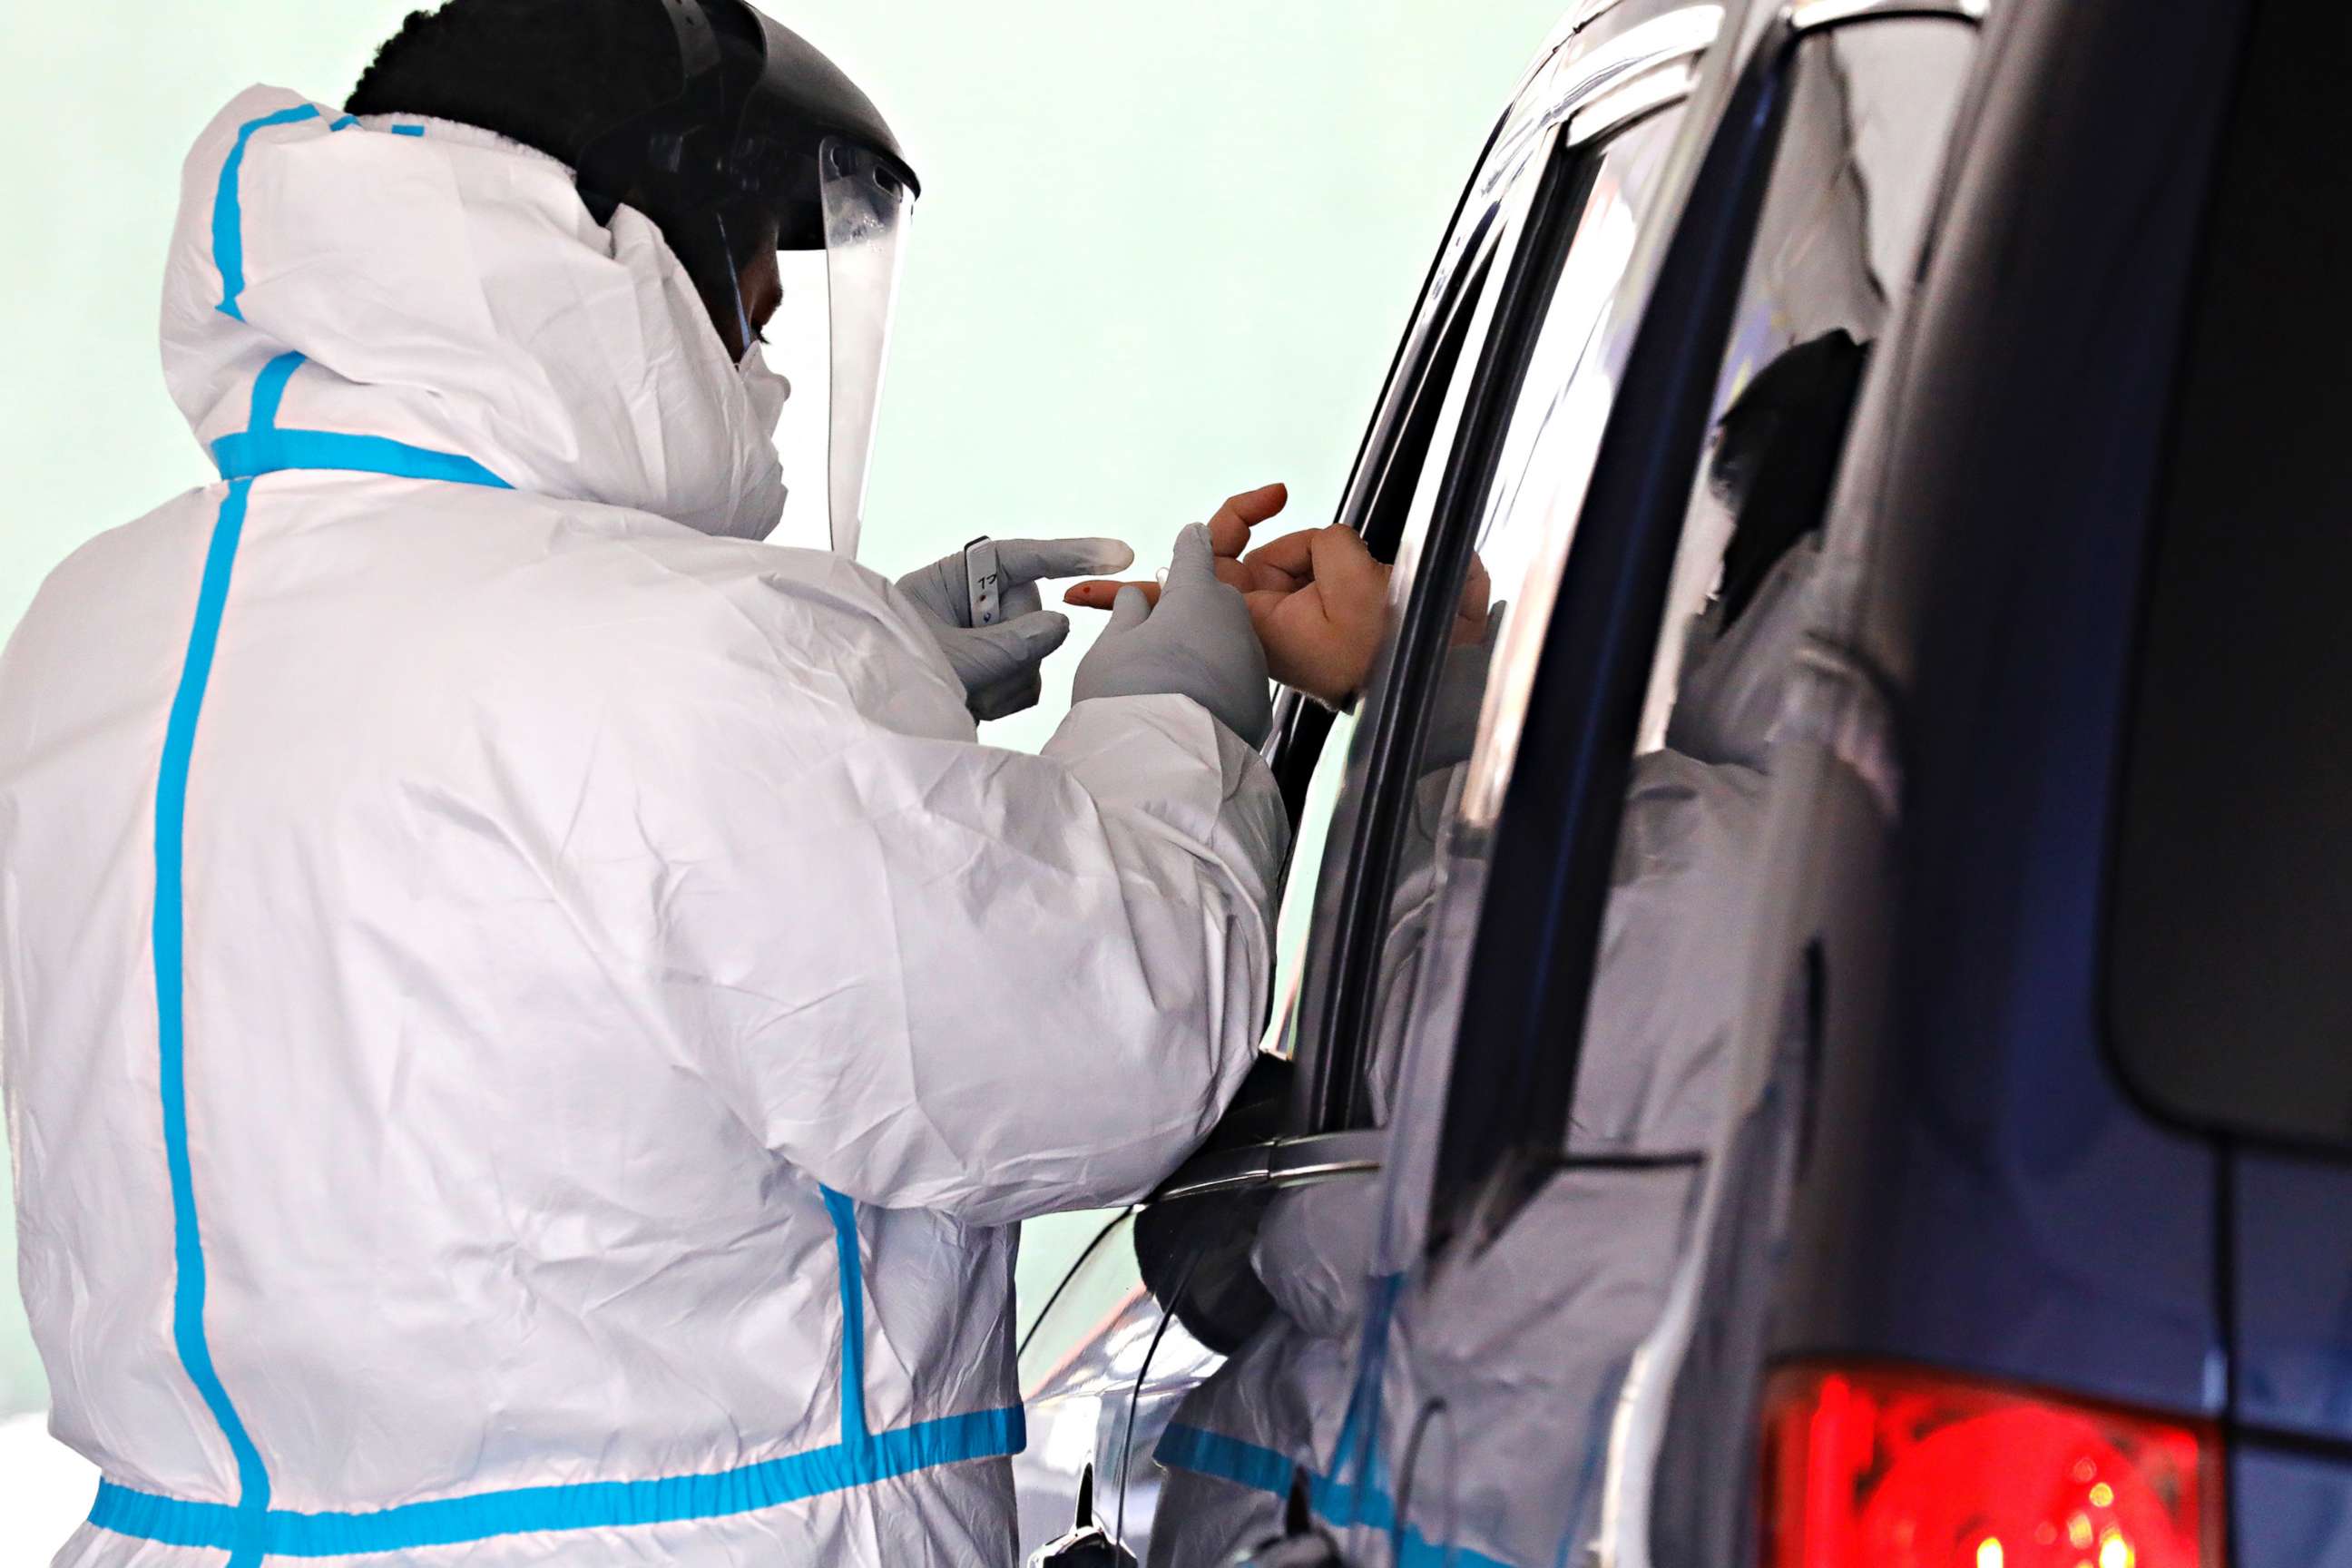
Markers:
(1334, 1034)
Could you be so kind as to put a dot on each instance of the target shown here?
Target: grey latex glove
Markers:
(998, 664)
(1197, 642)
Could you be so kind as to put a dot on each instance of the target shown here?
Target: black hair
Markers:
(550, 74)
(553, 75)
(1777, 456)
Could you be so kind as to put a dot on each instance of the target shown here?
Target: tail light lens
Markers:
(1885, 1469)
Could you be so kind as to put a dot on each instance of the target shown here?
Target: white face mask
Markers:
(757, 492)
(767, 390)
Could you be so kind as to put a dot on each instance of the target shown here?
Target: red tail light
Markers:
(1884, 1468)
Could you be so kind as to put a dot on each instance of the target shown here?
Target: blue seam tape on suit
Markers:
(263, 448)
(1339, 1504)
(251, 1529)
(171, 1026)
(269, 391)
(583, 1505)
(228, 218)
(844, 1214)
(253, 453)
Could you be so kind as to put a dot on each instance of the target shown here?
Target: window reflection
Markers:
(1555, 432)
(1549, 439)
(1299, 897)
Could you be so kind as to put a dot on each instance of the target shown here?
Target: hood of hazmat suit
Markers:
(528, 1015)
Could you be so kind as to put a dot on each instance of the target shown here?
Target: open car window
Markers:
(1522, 422)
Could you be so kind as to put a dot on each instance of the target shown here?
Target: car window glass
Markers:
(1547, 448)
(1428, 405)
(2228, 992)
(1814, 295)
(1297, 915)
(1397, 514)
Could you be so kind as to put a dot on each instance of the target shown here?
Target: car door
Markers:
(1578, 163)
(1575, 1110)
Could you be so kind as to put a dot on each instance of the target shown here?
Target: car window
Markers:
(2229, 997)
(1427, 687)
(1864, 112)
(1312, 745)
(1423, 405)
(1105, 1358)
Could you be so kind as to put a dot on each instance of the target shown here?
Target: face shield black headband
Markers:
(765, 134)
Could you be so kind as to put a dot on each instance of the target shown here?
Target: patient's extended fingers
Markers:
(1229, 529)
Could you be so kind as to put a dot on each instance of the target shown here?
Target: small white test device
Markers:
(981, 581)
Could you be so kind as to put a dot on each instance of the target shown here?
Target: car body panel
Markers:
(1987, 1197)
(2291, 1285)
(2289, 1506)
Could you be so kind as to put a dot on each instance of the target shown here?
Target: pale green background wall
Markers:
(1164, 254)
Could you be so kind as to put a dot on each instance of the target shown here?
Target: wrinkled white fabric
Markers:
(570, 889)
(766, 387)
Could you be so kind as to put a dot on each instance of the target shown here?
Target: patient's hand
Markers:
(1317, 597)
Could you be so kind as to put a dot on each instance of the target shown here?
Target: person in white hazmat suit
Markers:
(529, 1016)
(1532, 1339)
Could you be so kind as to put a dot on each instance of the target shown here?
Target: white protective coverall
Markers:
(528, 1020)
(1531, 1338)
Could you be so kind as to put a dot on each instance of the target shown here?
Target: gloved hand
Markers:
(998, 664)
(1196, 642)
(1318, 598)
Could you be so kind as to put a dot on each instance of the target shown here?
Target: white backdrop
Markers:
(1163, 254)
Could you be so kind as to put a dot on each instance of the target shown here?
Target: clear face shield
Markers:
(868, 204)
(765, 125)
(839, 264)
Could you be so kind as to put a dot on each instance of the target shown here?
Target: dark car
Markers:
(1818, 1032)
